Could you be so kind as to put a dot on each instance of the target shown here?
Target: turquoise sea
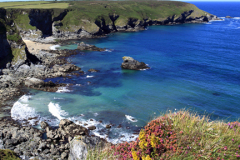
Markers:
(193, 66)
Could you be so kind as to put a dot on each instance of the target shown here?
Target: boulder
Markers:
(132, 64)
(64, 123)
(80, 144)
(33, 82)
(78, 150)
(44, 124)
(92, 127)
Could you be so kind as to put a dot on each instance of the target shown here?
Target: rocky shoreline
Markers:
(46, 143)
(68, 141)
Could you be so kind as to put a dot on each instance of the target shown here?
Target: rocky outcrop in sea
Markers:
(132, 64)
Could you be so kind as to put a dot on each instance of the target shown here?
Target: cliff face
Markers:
(12, 47)
(85, 19)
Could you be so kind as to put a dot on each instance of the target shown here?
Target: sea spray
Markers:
(54, 47)
(63, 90)
(130, 118)
(55, 110)
(21, 111)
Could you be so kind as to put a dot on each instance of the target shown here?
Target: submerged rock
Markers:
(228, 17)
(93, 70)
(130, 63)
(87, 47)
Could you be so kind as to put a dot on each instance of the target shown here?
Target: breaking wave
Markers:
(55, 110)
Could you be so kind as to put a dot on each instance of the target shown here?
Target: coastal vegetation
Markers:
(7, 154)
(181, 135)
(33, 5)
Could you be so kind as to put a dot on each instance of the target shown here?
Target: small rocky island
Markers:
(87, 47)
(132, 64)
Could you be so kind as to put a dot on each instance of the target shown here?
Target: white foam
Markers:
(108, 50)
(130, 118)
(78, 85)
(128, 137)
(22, 111)
(122, 136)
(25, 98)
(55, 110)
(57, 98)
(63, 90)
(236, 18)
(89, 76)
(95, 114)
(54, 47)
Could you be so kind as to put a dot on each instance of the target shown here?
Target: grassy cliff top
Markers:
(152, 9)
(33, 5)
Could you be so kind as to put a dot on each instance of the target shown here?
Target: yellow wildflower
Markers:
(142, 139)
(142, 135)
(134, 155)
(154, 140)
(146, 158)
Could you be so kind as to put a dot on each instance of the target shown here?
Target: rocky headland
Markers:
(27, 59)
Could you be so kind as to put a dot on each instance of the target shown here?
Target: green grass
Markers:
(95, 11)
(18, 54)
(101, 153)
(34, 5)
(23, 21)
(15, 37)
(40, 6)
(6, 154)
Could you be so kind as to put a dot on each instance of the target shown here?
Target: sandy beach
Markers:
(34, 47)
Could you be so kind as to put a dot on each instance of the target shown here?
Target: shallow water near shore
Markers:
(193, 66)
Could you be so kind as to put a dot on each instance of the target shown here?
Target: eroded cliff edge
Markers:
(90, 19)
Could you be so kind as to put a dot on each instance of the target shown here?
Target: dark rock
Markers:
(87, 47)
(64, 123)
(130, 63)
(93, 70)
(108, 126)
(92, 127)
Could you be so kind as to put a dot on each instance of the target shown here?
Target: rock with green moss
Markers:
(6, 154)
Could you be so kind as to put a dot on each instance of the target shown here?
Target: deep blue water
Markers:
(193, 66)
